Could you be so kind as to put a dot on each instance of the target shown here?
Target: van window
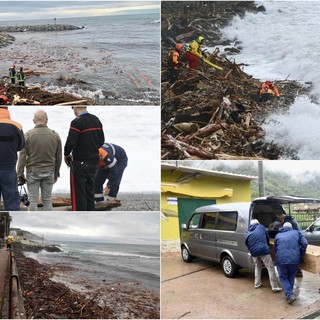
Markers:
(227, 221)
(209, 220)
(194, 222)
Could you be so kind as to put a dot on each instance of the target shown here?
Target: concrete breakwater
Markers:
(40, 28)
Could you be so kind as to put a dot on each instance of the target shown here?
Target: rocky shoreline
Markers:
(211, 114)
(46, 299)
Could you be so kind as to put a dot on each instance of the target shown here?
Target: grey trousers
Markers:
(267, 261)
(35, 182)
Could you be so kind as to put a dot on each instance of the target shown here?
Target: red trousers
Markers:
(193, 60)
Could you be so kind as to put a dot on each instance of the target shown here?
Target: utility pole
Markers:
(261, 179)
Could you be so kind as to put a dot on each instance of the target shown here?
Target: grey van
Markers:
(218, 232)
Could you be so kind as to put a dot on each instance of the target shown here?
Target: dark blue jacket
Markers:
(115, 160)
(293, 222)
(84, 139)
(290, 246)
(257, 240)
(11, 140)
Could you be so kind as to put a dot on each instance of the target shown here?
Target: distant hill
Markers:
(275, 182)
(26, 234)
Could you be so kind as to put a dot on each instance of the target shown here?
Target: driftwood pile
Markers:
(45, 299)
(38, 96)
(211, 114)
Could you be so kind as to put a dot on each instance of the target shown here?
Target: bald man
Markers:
(42, 157)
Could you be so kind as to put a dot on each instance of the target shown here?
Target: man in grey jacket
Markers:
(42, 158)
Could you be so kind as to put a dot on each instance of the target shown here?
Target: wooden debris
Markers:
(22, 101)
(45, 299)
(223, 104)
(70, 103)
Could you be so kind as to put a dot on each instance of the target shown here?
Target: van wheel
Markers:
(186, 256)
(230, 269)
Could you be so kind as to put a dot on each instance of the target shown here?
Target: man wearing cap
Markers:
(257, 241)
(81, 153)
(11, 141)
(290, 247)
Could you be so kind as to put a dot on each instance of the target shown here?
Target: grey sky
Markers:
(25, 10)
(120, 227)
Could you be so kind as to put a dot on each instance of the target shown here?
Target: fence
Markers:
(305, 218)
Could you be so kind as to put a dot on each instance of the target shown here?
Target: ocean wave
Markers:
(119, 253)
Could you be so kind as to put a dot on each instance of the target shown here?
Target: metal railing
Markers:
(16, 307)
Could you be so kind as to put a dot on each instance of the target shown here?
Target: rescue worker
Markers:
(194, 52)
(81, 153)
(174, 63)
(268, 91)
(112, 163)
(290, 247)
(21, 78)
(11, 141)
(12, 74)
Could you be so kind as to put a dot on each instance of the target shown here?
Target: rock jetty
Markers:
(40, 28)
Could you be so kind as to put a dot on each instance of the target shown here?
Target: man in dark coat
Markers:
(81, 154)
(290, 247)
(257, 241)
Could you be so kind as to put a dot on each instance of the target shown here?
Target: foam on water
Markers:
(280, 43)
(297, 128)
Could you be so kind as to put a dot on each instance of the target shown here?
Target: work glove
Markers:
(21, 180)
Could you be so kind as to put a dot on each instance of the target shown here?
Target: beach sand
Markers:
(148, 201)
(47, 299)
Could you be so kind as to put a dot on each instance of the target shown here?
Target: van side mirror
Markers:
(184, 226)
(311, 228)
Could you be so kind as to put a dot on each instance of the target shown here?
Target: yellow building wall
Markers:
(221, 190)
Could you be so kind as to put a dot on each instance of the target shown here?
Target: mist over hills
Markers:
(275, 182)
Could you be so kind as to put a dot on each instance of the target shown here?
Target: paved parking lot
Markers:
(200, 290)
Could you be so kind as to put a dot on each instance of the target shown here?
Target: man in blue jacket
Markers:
(11, 141)
(113, 161)
(257, 241)
(290, 247)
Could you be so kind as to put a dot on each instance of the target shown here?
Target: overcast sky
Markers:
(25, 10)
(119, 227)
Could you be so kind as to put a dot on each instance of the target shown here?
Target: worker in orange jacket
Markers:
(194, 52)
(174, 62)
(268, 91)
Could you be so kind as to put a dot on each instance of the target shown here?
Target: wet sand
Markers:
(46, 299)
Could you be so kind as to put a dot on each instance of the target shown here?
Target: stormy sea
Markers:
(137, 130)
(111, 60)
(283, 43)
(85, 265)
